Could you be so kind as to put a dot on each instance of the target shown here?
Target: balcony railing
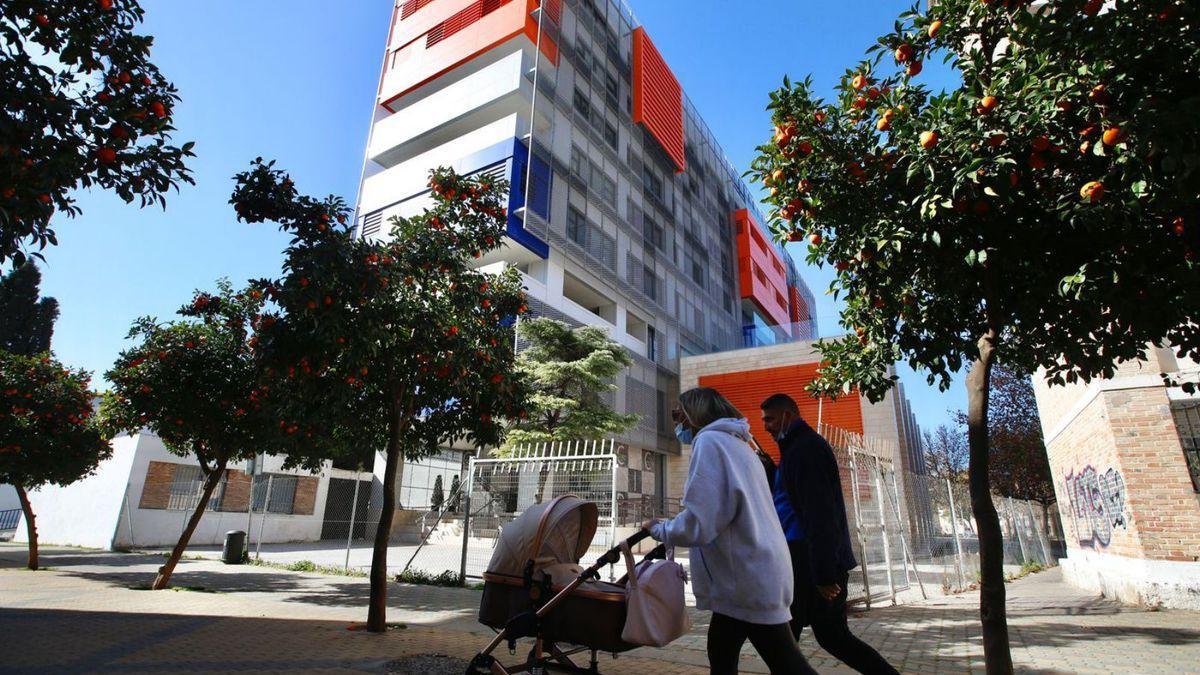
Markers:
(9, 519)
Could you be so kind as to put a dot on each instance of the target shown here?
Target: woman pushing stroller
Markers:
(740, 565)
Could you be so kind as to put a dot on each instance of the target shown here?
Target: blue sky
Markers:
(294, 81)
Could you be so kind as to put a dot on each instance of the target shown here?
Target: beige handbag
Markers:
(656, 611)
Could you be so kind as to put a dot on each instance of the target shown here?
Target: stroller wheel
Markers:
(481, 665)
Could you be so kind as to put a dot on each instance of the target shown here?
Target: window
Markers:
(698, 272)
(577, 162)
(606, 186)
(576, 226)
(652, 345)
(612, 88)
(581, 103)
(187, 484)
(653, 232)
(649, 283)
(1187, 420)
(282, 493)
(610, 135)
(635, 481)
(583, 61)
(660, 400)
(652, 183)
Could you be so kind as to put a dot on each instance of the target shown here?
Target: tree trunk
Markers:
(30, 526)
(210, 483)
(987, 523)
(377, 607)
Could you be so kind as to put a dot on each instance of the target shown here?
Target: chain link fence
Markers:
(914, 532)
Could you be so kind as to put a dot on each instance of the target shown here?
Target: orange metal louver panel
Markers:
(657, 98)
(747, 390)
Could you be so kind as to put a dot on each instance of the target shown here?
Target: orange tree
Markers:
(397, 344)
(1043, 213)
(47, 431)
(83, 106)
(201, 387)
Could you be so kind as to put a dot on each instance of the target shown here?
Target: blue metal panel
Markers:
(510, 153)
(540, 178)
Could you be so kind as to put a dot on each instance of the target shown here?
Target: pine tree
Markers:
(26, 323)
(455, 496)
(568, 371)
(439, 495)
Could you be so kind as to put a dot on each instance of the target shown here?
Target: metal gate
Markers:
(501, 489)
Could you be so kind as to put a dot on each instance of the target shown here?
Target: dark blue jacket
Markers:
(810, 474)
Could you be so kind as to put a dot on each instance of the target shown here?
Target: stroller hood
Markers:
(558, 531)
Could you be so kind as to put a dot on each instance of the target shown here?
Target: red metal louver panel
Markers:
(412, 7)
(461, 20)
(657, 98)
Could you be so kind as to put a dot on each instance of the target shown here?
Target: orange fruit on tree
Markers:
(860, 81)
(934, 28)
(1092, 8)
(1092, 192)
(819, 116)
(988, 104)
(1113, 135)
(914, 68)
(929, 139)
(1041, 144)
(905, 53)
(884, 124)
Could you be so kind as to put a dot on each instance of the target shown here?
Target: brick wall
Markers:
(156, 494)
(237, 491)
(1119, 472)
(1080, 459)
(1161, 500)
(306, 496)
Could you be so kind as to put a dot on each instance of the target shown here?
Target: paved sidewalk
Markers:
(85, 615)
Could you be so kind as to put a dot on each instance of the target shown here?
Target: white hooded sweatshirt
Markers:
(740, 564)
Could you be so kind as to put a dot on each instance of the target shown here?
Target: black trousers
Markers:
(828, 619)
(774, 644)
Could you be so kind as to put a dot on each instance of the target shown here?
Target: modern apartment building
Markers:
(624, 211)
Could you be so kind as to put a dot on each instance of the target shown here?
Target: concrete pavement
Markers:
(86, 614)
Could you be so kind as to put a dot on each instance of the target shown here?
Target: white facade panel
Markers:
(494, 91)
(84, 513)
(412, 176)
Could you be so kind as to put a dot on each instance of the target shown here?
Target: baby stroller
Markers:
(535, 588)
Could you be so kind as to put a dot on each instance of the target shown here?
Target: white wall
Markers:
(85, 512)
(8, 498)
(162, 527)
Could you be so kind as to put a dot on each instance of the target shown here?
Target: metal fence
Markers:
(8, 522)
(916, 532)
(498, 490)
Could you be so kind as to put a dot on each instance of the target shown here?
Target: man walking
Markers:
(808, 497)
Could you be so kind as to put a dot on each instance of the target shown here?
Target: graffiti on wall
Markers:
(1097, 505)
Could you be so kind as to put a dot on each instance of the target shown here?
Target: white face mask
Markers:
(683, 432)
(785, 426)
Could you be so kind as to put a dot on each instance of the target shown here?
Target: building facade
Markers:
(1125, 458)
(748, 376)
(623, 212)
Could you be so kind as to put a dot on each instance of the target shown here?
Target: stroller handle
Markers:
(613, 555)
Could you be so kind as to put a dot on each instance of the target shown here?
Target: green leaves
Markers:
(1065, 208)
(47, 430)
(397, 335)
(101, 116)
(568, 371)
